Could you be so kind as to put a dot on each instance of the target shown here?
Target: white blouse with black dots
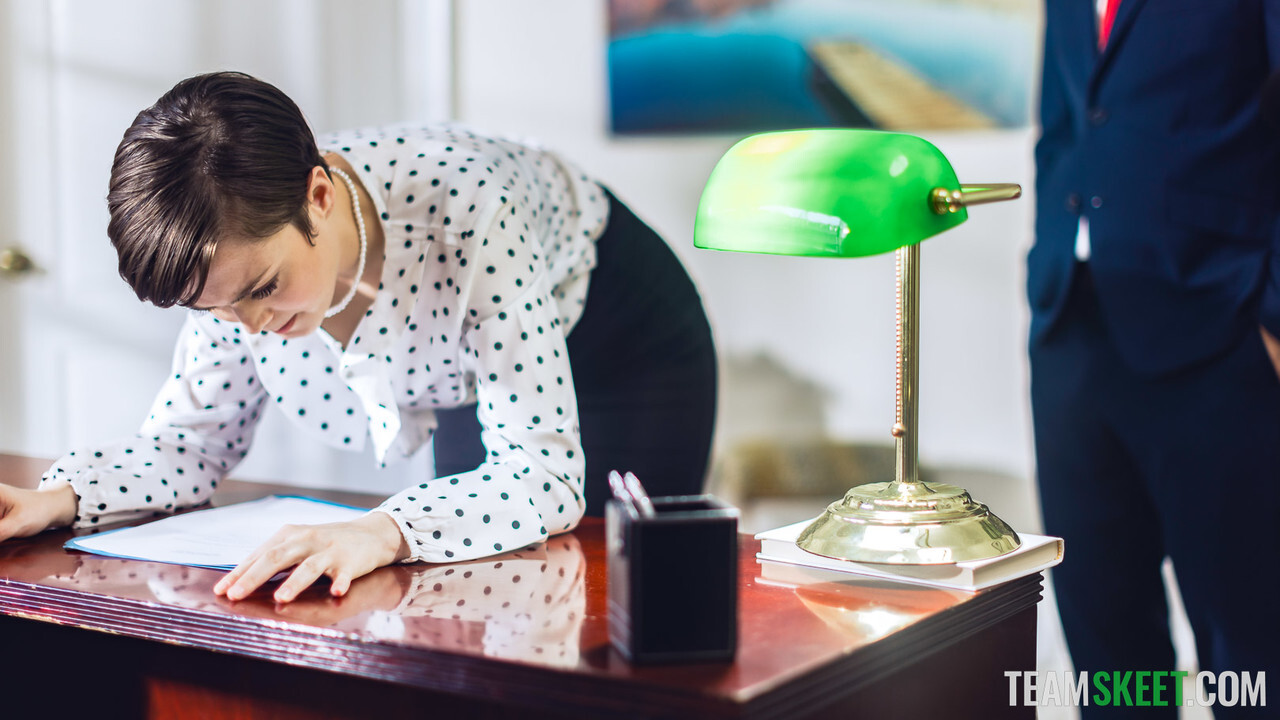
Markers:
(489, 248)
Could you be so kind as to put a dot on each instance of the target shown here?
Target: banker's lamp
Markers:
(852, 193)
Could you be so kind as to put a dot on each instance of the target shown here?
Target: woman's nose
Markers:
(253, 318)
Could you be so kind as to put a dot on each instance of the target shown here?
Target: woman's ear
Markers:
(321, 195)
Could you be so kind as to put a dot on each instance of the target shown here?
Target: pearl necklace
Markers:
(364, 244)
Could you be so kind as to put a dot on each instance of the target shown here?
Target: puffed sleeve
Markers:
(199, 428)
(531, 483)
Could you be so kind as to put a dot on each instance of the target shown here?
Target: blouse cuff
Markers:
(406, 531)
(91, 511)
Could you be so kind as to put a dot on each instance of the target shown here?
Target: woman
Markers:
(397, 283)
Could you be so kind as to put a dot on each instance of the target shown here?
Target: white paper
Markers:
(1037, 552)
(215, 538)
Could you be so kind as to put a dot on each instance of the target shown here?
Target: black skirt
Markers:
(644, 370)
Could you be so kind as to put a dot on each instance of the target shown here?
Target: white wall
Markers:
(80, 358)
(10, 364)
(539, 69)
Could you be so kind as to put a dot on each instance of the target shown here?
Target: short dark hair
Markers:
(220, 155)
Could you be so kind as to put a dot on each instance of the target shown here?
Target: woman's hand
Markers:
(381, 589)
(343, 551)
(27, 512)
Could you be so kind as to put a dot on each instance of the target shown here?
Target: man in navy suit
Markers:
(1154, 285)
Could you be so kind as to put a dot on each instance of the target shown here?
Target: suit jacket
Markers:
(1158, 140)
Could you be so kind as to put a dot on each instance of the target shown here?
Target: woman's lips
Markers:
(287, 326)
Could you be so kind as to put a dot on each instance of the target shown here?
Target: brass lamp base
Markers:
(908, 523)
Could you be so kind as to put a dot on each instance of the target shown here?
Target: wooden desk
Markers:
(520, 635)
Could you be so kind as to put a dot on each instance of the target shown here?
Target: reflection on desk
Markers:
(526, 605)
(870, 609)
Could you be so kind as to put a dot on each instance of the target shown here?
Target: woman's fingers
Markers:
(307, 572)
(9, 512)
(231, 577)
(238, 571)
(276, 556)
(341, 583)
(344, 551)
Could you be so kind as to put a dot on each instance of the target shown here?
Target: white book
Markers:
(1037, 552)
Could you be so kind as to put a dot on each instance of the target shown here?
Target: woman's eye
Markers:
(265, 290)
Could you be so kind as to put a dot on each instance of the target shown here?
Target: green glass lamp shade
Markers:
(831, 192)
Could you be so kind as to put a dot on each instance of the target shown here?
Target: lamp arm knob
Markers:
(944, 201)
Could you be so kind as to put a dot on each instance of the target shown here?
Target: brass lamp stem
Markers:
(905, 430)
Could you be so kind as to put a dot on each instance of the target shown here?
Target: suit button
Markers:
(1095, 202)
(1098, 116)
(1073, 201)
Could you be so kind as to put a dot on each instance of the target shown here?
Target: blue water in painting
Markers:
(749, 70)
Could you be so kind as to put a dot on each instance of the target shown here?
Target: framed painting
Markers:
(734, 66)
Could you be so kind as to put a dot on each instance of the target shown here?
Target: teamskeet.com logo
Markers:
(1141, 688)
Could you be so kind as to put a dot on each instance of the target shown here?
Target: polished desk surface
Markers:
(527, 626)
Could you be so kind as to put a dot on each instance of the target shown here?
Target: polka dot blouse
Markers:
(489, 248)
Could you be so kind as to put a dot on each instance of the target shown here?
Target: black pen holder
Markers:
(673, 579)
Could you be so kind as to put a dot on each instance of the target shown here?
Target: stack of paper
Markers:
(216, 538)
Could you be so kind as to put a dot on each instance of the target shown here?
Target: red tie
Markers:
(1108, 17)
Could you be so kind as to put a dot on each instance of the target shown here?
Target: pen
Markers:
(641, 498)
(621, 491)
